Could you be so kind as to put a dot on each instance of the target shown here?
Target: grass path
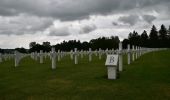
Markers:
(148, 78)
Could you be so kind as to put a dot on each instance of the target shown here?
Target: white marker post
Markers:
(140, 54)
(16, 58)
(59, 54)
(36, 56)
(75, 56)
(41, 56)
(136, 52)
(111, 63)
(133, 53)
(129, 54)
(53, 58)
(100, 53)
(90, 55)
(71, 54)
(95, 52)
(82, 53)
(120, 57)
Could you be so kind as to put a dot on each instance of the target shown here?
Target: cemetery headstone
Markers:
(112, 66)
(53, 58)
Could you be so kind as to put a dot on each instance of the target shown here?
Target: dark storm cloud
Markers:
(60, 31)
(149, 18)
(131, 19)
(72, 9)
(87, 29)
(40, 14)
(23, 24)
(115, 23)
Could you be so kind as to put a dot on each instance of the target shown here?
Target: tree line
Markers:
(102, 42)
(155, 39)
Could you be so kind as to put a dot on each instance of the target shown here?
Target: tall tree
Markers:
(134, 38)
(32, 44)
(153, 37)
(144, 39)
(46, 46)
(163, 36)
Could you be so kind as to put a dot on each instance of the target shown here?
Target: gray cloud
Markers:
(87, 29)
(149, 18)
(19, 17)
(115, 23)
(59, 31)
(72, 9)
(131, 19)
(23, 24)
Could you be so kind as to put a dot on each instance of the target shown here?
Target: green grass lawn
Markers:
(148, 78)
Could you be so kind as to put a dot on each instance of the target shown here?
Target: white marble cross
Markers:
(120, 57)
(59, 54)
(133, 53)
(35, 55)
(17, 58)
(90, 55)
(136, 52)
(75, 56)
(82, 53)
(41, 56)
(129, 53)
(100, 53)
(71, 54)
(53, 58)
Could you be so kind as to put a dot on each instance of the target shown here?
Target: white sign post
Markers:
(58, 54)
(120, 57)
(16, 58)
(71, 54)
(133, 53)
(90, 55)
(82, 53)
(111, 63)
(100, 53)
(129, 54)
(36, 55)
(75, 56)
(136, 52)
(53, 58)
(41, 56)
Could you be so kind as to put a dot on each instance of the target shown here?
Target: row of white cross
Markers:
(132, 54)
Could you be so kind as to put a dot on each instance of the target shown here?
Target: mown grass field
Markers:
(148, 78)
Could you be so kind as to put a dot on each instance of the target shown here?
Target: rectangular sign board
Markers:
(112, 60)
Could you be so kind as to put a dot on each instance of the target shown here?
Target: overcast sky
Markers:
(24, 21)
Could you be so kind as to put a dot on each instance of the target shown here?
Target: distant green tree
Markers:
(32, 44)
(21, 50)
(125, 43)
(1, 50)
(46, 46)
